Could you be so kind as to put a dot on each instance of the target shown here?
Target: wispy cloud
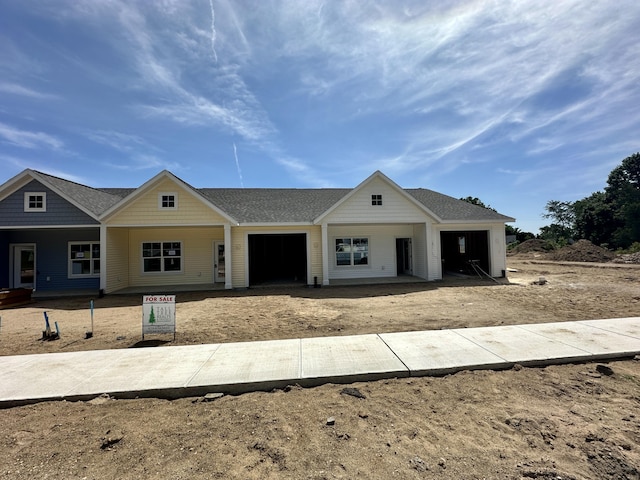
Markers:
(213, 32)
(29, 139)
(16, 89)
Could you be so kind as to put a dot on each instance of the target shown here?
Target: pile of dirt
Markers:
(534, 245)
(628, 258)
(583, 251)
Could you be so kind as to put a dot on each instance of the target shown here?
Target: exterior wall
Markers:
(420, 254)
(197, 255)
(240, 256)
(59, 211)
(395, 208)
(382, 249)
(117, 271)
(497, 250)
(52, 250)
(145, 210)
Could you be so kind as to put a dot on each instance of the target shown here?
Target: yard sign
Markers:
(159, 314)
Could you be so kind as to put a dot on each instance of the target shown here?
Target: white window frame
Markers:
(162, 257)
(161, 196)
(27, 201)
(91, 258)
(351, 256)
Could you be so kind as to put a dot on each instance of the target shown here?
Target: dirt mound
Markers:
(534, 245)
(583, 251)
(627, 258)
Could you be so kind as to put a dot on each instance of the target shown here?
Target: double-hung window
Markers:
(352, 251)
(158, 257)
(84, 259)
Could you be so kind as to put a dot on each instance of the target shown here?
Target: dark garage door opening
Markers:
(278, 258)
(458, 248)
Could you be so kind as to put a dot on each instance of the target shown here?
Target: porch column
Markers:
(325, 255)
(228, 269)
(103, 258)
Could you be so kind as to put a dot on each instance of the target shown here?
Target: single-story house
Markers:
(57, 235)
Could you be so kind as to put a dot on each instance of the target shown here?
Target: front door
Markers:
(218, 262)
(404, 259)
(24, 266)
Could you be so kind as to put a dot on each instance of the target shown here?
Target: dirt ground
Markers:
(558, 422)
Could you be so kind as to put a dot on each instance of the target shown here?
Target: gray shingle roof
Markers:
(452, 209)
(93, 199)
(277, 205)
(273, 205)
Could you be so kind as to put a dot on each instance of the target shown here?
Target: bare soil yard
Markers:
(569, 422)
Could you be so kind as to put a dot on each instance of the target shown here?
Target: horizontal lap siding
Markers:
(197, 255)
(52, 251)
(145, 210)
(395, 208)
(419, 247)
(382, 249)
(117, 259)
(59, 211)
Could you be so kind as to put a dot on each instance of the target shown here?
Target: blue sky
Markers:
(515, 103)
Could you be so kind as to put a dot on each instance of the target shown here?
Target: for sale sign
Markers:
(158, 314)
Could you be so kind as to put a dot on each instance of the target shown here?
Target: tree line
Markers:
(609, 218)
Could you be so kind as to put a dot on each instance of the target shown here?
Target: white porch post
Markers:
(325, 255)
(228, 268)
(103, 258)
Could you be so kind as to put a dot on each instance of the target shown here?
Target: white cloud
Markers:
(16, 89)
(28, 139)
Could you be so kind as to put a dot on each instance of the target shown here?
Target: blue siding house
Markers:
(50, 233)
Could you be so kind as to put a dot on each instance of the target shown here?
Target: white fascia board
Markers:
(276, 224)
(16, 183)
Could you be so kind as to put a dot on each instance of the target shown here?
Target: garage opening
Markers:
(278, 259)
(461, 248)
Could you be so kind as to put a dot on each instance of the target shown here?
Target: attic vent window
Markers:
(376, 199)
(168, 201)
(35, 202)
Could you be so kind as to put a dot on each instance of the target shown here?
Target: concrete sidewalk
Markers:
(172, 372)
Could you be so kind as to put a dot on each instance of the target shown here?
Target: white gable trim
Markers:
(165, 174)
(377, 175)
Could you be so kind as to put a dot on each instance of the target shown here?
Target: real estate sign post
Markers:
(159, 314)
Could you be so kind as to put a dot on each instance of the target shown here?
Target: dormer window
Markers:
(376, 199)
(35, 202)
(168, 201)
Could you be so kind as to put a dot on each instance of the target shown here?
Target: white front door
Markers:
(24, 266)
(218, 262)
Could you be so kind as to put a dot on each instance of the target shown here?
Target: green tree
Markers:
(563, 227)
(595, 219)
(478, 202)
(623, 192)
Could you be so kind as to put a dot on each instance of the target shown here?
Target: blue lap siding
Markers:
(52, 243)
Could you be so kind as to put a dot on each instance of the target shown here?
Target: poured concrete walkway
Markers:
(172, 372)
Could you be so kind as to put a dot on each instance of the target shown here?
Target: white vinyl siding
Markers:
(382, 249)
(395, 207)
